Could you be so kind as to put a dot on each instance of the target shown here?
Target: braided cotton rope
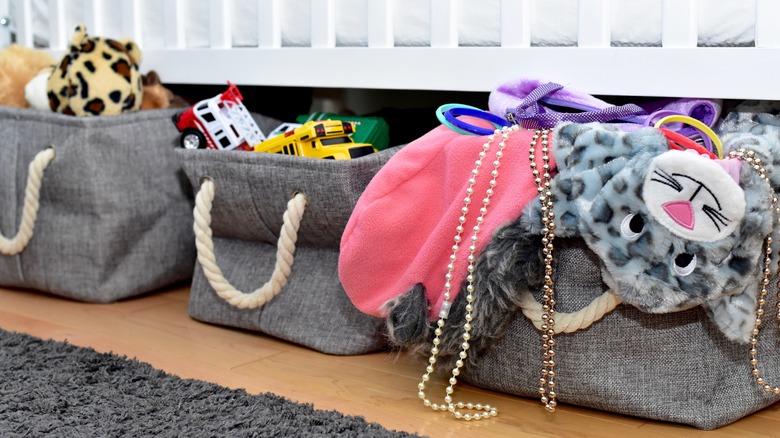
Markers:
(285, 250)
(32, 194)
(571, 322)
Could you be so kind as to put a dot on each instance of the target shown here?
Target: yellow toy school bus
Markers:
(327, 139)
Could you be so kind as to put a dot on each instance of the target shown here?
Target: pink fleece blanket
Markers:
(401, 231)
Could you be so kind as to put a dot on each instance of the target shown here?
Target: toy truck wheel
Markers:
(191, 138)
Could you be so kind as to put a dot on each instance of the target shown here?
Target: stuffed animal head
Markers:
(19, 65)
(155, 95)
(98, 76)
(673, 229)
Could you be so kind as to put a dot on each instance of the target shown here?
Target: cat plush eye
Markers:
(632, 226)
(684, 264)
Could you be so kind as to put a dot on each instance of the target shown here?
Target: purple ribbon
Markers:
(530, 114)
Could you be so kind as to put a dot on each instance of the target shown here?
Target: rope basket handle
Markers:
(32, 193)
(285, 250)
(570, 322)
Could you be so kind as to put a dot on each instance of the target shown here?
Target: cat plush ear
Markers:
(735, 315)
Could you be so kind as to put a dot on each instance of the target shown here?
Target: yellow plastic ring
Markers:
(698, 124)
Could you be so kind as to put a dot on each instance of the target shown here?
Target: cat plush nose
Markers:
(681, 212)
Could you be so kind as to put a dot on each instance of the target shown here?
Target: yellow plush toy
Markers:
(18, 65)
(98, 76)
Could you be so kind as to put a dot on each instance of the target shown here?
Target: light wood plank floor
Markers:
(381, 387)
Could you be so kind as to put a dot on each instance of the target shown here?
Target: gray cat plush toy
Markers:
(673, 229)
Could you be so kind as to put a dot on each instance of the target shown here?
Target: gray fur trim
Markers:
(507, 267)
(407, 319)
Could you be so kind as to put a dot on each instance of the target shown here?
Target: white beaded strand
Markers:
(483, 411)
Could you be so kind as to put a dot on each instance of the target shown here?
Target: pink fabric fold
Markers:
(402, 229)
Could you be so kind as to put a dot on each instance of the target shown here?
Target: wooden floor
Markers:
(381, 387)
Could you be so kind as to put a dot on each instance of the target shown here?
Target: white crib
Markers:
(365, 44)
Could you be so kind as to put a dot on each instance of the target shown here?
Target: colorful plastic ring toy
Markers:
(696, 123)
(451, 115)
(680, 142)
(446, 107)
(658, 115)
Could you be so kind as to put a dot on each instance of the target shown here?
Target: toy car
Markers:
(283, 129)
(368, 129)
(221, 122)
(327, 139)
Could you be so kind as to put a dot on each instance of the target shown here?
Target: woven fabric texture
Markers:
(252, 191)
(115, 206)
(673, 367)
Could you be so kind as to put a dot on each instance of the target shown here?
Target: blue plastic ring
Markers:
(442, 110)
(497, 122)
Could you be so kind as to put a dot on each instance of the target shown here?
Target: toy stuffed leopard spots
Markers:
(98, 76)
(672, 230)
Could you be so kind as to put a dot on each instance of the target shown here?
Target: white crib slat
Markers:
(268, 23)
(767, 30)
(5, 23)
(132, 26)
(380, 23)
(680, 23)
(220, 32)
(323, 23)
(174, 16)
(57, 31)
(655, 78)
(444, 23)
(515, 23)
(594, 23)
(93, 16)
(23, 23)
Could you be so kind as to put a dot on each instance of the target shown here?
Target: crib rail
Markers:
(677, 67)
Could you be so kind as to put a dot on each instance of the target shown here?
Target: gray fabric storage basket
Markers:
(115, 207)
(252, 192)
(674, 367)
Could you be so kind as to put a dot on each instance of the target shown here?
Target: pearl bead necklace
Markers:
(547, 378)
(750, 158)
(482, 411)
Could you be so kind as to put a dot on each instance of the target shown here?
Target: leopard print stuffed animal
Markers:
(98, 76)
(672, 229)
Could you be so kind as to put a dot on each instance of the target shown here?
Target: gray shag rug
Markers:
(50, 388)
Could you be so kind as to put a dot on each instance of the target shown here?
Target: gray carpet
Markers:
(50, 388)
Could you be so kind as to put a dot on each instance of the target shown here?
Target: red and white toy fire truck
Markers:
(221, 122)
